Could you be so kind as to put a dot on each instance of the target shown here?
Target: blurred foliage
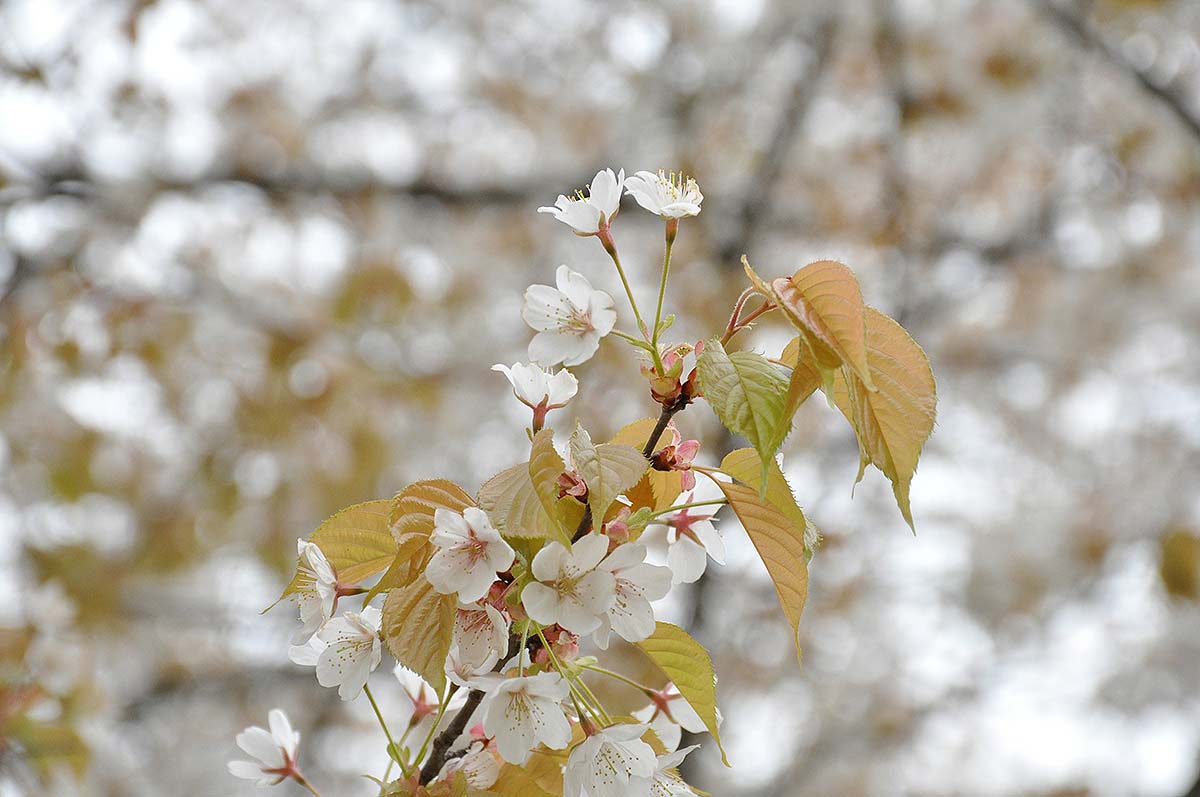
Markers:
(254, 267)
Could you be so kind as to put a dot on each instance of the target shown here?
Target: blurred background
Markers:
(256, 259)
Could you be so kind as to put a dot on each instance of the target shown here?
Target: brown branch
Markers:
(1077, 28)
(441, 745)
(664, 418)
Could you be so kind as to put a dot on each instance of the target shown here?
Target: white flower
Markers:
(569, 590)
(614, 762)
(670, 195)
(275, 751)
(538, 389)
(588, 214)
(521, 712)
(668, 714)
(637, 583)
(347, 651)
(689, 538)
(480, 636)
(570, 320)
(470, 553)
(667, 782)
(317, 594)
(479, 765)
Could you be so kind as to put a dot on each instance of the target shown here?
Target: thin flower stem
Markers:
(617, 676)
(570, 683)
(670, 509)
(379, 715)
(591, 696)
(441, 712)
(521, 650)
(611, 247)
(404, 767)
(737, 323)
(641, 344)
(303, 781)
(662, 288)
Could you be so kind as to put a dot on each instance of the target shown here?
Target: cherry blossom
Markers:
(480, 635)
(347, 651)
(470, 553)
(538, 389)
(593, 213)
(570, 319)
(637, 584)
(671, 195)
(479, 764)
(689, 539)
(274, 749)
(569, 590)
(614, 762)
(317, 590)
(523, 711)
(667, 782)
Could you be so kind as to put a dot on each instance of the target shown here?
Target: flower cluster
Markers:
(497, 605)
(520, 612)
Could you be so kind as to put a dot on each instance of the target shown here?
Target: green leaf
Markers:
(748, 394)
(545, 466)
(686, 663)
(892, 422)
(515, 507)
(418, 626)
(608, 470)
(777, 533)
(356, 541)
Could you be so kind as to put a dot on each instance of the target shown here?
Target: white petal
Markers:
(545, 307)
(605, 193)
(574, 286)
(257, 742)
(562, 388)
(245, 769)
(687, 561)
(541, 603)
(602, 309)
(632, 618)
(553, 347)
(587, 551)
(686, 716)
(448, 571)
(306, 655)
(711, 538)
(549, 561)
(282, 732)
(581, 216)
(449, 528)
(623, 557)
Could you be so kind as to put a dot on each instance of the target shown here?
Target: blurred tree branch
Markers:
(1076, 27)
